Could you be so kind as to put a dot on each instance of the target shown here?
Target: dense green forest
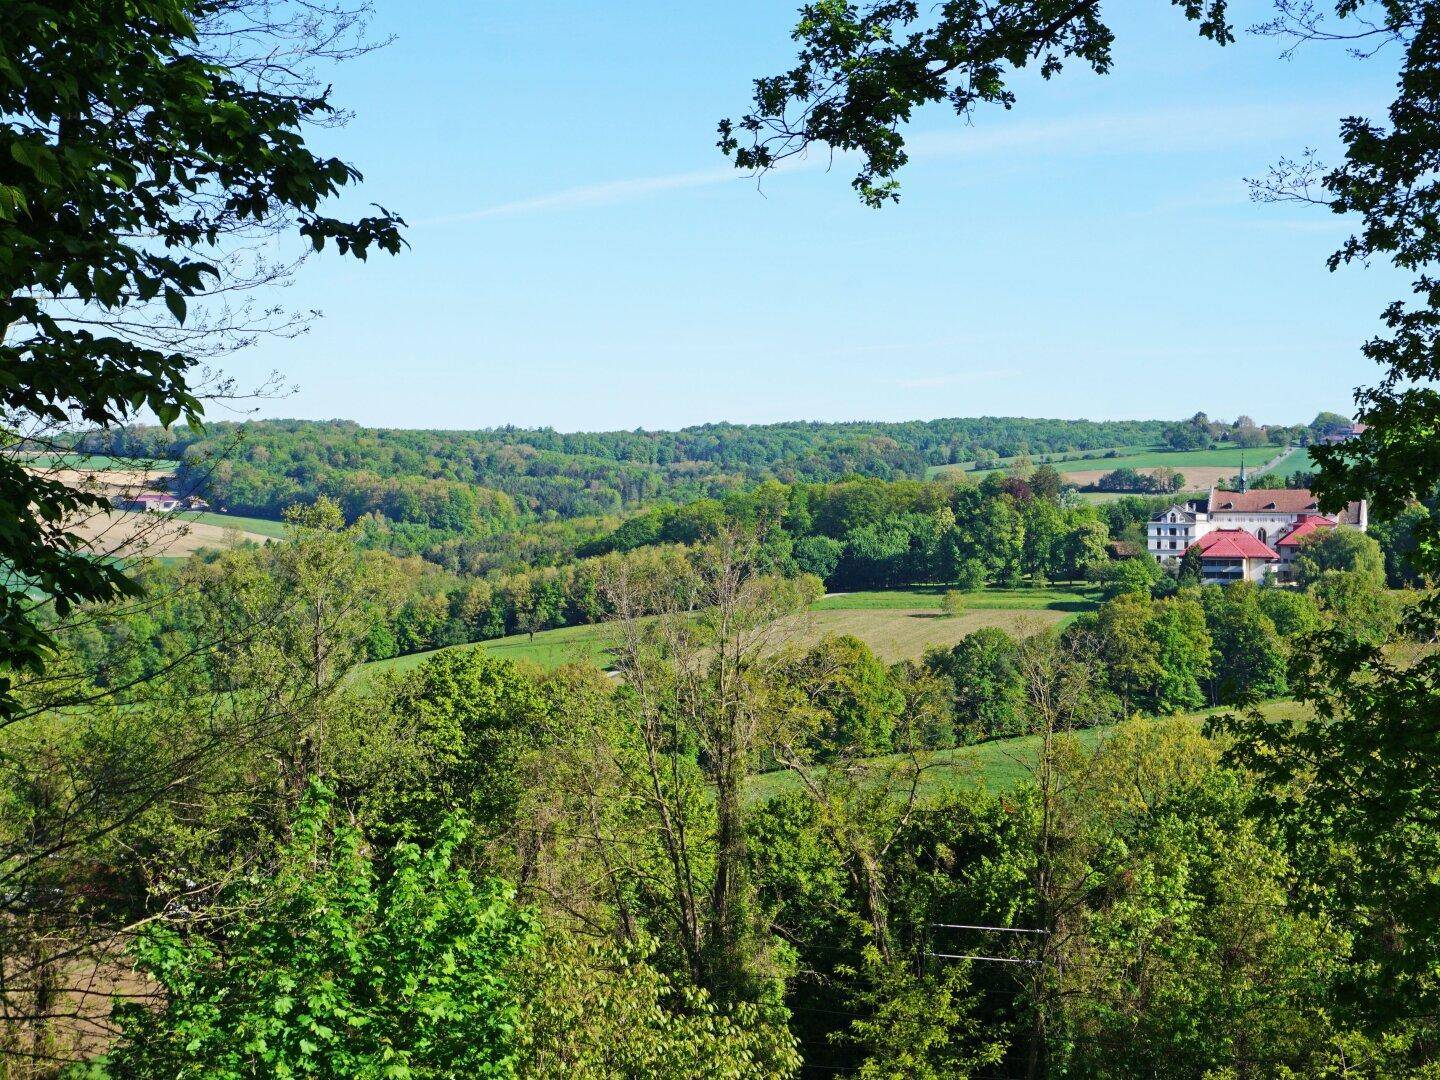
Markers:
(481, 479)
(603, 876)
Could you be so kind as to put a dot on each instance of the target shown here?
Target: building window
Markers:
(1262, 536)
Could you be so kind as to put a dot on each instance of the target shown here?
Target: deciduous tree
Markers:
(141, 147)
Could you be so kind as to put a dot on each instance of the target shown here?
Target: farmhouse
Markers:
(158, 501)
(1244, 534)
(1345, 433)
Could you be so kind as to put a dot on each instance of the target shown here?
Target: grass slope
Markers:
(899, 625)
(277, 530)
(1055, 598)
(1053, 459)
(1220, 457)
(549, 649)
(99, 463)
(1143, 457)
(1001, 763)
(1297, 460)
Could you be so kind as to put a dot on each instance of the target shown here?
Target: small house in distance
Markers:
(149, 501)
(1345, 433)
(1272, 521)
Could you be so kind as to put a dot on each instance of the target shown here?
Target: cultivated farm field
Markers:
(126, 533)
(129, 534)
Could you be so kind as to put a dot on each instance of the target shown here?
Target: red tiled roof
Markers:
(1276, 501)
(1303, 528)
(1272, 500)
(1231, 544)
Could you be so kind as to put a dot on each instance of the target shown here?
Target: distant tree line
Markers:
(1202, 433)
(261, 467)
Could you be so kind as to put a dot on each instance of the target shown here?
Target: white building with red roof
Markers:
(1278, 519)
(1229, 555)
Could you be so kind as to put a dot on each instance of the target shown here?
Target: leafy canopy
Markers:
(863, 70)
(129, 160)
(338, 966)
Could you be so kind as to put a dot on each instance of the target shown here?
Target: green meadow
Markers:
(264, 526)
(898, 624)
(1142, 457)
(1000, 764)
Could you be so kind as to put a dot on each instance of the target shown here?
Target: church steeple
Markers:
(1244, 484)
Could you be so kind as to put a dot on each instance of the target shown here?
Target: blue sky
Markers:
(581, 256)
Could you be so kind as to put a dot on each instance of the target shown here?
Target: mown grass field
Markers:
(1220, 457)
(897, 624)
(1208, 466)
(1068, 456)
(1297, 460)
(548, 649)
(276, 530)
(1001, 763)
(98, 463)
(1055, 597)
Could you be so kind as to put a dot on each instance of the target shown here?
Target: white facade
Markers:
(1266, 514)
(1225, 571)
(1169, 534)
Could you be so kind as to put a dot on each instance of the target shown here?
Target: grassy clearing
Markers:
(99, 463)
(1220, 457)
(1002, 763)
(1088, 465)
(1297, 460)
(1054, 459)
(896, 634)
(549, 649)
(899, 624)
(276, 530)
(927, 597)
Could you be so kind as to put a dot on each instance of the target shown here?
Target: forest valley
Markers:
(250, 827)
(231, 848)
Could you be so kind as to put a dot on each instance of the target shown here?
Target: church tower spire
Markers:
(1244, 484)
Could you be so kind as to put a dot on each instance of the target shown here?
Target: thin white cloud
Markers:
(603, 194)
(1155, 131)
(957, 378)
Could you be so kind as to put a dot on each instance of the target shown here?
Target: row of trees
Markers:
(1159, 481)
(872, 534)
(1202, 433)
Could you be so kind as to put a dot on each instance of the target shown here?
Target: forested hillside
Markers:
(791, 751)
(511, 498)
(480, 480)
